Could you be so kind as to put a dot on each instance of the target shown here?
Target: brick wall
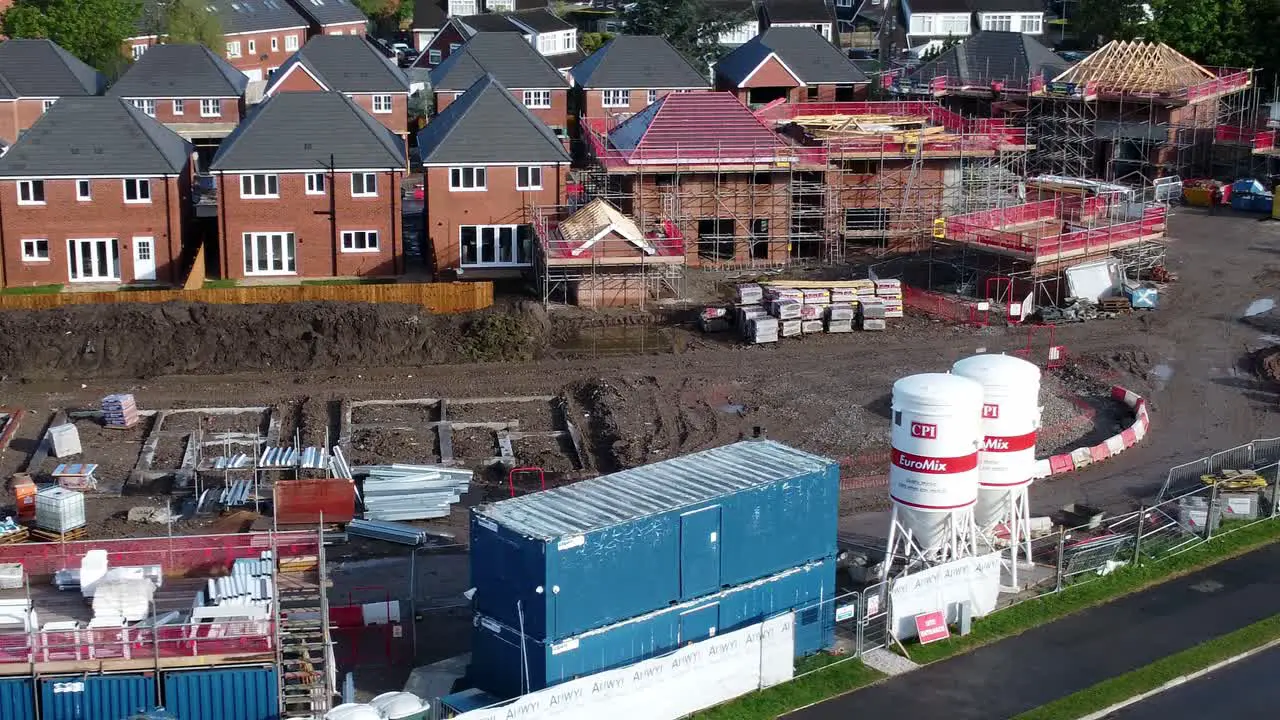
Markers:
(18, 115)
(299, 80)
(306, 217)
(500, 204)
(229, 109)
(63, 217)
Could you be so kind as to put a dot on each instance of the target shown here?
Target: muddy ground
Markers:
(651, 391)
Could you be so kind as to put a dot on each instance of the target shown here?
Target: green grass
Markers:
(219, 284)
(1125, 581)
(845, 677)
(33, 290)
(1123, 687)
(833, 679)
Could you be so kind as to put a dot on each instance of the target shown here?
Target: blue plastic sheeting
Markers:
(597, 552)
(16, 701)
(496, 648)
(237, 694)
(96, 697)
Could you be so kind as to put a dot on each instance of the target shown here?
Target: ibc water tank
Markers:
(401, 706)
(933, 470)
(1010, 420)
(355, 711)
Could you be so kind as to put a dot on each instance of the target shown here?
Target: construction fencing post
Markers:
(1208, 517)
(1062, 542)
(1137, 538)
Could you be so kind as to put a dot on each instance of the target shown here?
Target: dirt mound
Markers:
(1266, 364)
(142, 340)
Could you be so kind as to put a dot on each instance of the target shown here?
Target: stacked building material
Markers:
(872, 313)
(785, 309)
(714, 319)
(840, 318)
(750, 294)
(119, 411)
(387, 531)
(412, 492)
(889, 292)
(64, 440)
(76, 476)
(811, 326)
(844, 295)
(125, 599)
(11, 577)
(813, 312)
(791, 328)
(59, 510)
(761, 329)
(747, 313)
(248, 584)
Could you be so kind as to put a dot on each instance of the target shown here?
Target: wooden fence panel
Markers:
(436, 297)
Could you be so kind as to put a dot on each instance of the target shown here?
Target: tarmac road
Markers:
(1247, 689)
(1043, 664)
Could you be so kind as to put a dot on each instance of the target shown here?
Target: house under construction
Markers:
(723, 187)
(1134, 112)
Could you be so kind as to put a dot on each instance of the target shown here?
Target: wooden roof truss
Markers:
(1137, 68)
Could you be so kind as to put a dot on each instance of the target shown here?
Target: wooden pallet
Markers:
(14, 537)
(1114, 305)
(48, 536)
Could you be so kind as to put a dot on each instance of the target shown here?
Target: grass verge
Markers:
(1144, 679)
(219, 284)
(32, 290)
(851, 675)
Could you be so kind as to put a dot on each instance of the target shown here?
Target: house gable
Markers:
(297, 79)
(771, 72)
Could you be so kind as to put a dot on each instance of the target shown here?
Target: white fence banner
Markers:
(975, 580)
(694, 677)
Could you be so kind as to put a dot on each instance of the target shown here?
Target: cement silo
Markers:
(933, 467)
(1010, 421)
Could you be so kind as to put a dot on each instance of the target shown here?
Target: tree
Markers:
(92, 30)
(1100, 21)
(691, 26)
(592, 42)
(189, 21)
(947, 43)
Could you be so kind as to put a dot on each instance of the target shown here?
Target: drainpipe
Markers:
(220, 197)
(395, 228)
(3, 269)
(333, 214)
(174, 268)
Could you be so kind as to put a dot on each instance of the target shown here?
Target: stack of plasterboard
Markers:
(791, 328)
(750, 294)
(761, 329)
(840, 318)
(873, 313)
(747, 313)
(813, 312)
(119, 411)
(811, 326)
(127, 599)
(773, 293)
(844, 295)
(786, 309)
(889, 292)
(816, 296)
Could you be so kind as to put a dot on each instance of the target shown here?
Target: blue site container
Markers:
(16, 700)
(603, 550)
(496, 664)
(234, 694)
(96, 697)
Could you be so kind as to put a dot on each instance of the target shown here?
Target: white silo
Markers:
(933, 467)
(1010, 421)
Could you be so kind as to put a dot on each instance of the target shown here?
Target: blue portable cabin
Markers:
(496, 648)
(567, 560)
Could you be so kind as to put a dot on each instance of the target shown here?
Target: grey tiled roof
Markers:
(565, 61)
(347, 63)
(540, 20)
(41, 68)
(488, 22)
(235, 16)
(804, 51)
(788, 11)
(95, 136)
(180, 71)
(991, 55)
(330, 12)
(506, 56)
(485, 125)
(298, 131)
(637, 61)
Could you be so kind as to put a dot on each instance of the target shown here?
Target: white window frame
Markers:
(367, 180)
(382, 104)
(31, 250)
(529, 181)
(146, 105)
(615, 98)
(1002, 22)
(844, 3)
(453, 47)
(73, 260)
(1032, 21)
(141, 187)
(287, 256)
(433, 57)
(275, 44)
(30, 187)
(926, 25)
(479, 180)
(233, 49)
(138, 51)
(568, 43)
(496, 238)
(290, 43)
(47, 105)
(179, 106)
(84, 190)
(652, 97)
(371, 241)
(463, 8)
(537, 99)
(253, 47)
(206, 103)
(270, 186)
(316, 183)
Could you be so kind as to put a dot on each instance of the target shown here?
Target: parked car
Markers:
(405, 53)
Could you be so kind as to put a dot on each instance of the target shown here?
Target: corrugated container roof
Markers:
(652, 489)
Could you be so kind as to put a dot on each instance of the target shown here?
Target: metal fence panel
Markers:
(1183, 477)
(1266, 451)
(873, 618)
(1237, 458)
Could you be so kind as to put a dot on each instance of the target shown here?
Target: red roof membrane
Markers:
(697, 127)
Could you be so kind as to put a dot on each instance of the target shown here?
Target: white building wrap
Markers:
(692, 678)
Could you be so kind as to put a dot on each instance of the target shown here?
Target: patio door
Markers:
(93, 260)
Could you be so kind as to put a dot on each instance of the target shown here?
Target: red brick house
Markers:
(259, 34)
(309, 187)
(193, 91)
(516, 66)
(33, 75)
(352, 66)
(332, 17)
(629, 73)
(791, 64)
(94, 193)
(482, 185)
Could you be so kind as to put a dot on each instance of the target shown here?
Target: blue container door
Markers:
(700, 553)
(96, 697)
(699, 624)
(16, 702)
(239, 694)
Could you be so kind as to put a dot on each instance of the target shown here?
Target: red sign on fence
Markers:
(932, 627)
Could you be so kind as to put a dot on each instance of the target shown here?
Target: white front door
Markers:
(93, 260)
(144, 258)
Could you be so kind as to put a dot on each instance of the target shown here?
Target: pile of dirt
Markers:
(1266, 363)
(143, 340)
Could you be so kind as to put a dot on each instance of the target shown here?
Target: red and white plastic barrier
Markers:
(1083, 457)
